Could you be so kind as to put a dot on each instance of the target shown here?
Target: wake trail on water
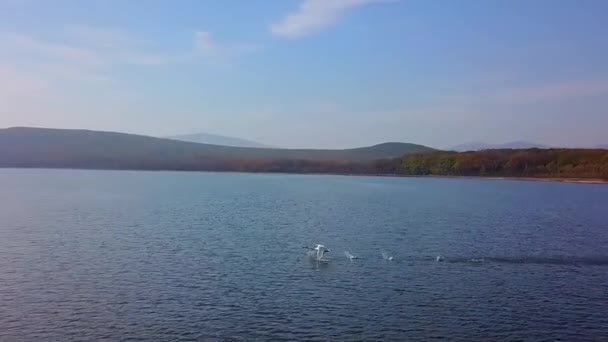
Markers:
(559, 260)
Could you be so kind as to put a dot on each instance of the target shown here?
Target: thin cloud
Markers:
(49, 61)
(86, 53)
(204, 43)
(40, 67)
(315, 15)
(78, 53)
(207, 46)
(121, 47)
(106, 37)
(27, 47)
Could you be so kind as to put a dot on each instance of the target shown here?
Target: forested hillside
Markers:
(548, 163)
(50, 148)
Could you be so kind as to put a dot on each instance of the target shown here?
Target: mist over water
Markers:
(98, 255)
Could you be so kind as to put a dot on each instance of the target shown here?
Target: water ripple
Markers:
(121, 256)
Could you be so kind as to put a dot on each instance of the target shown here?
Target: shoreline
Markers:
(528, 179)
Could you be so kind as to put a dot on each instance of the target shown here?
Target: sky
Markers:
(311, 73)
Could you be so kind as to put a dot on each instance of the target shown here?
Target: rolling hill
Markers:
(213, 139)
(64, 148)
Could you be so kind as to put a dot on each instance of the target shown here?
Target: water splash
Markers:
(349, 256)
(386, 256)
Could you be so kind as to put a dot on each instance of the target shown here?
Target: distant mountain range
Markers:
(213, 139)
(64, 148)
(478, 146)
(23, 147)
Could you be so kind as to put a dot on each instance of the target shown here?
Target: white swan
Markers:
(318, 252)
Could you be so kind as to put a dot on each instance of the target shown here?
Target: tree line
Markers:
(532, 163)
(544, 163)
(540, 163)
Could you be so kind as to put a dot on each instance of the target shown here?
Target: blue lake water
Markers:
(169, 256)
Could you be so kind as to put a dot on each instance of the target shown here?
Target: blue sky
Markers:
(311, 73)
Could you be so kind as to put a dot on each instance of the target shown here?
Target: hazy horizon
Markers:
(472, 145)
(311, 73)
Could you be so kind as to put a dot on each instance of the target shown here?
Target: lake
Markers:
(170, 256)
